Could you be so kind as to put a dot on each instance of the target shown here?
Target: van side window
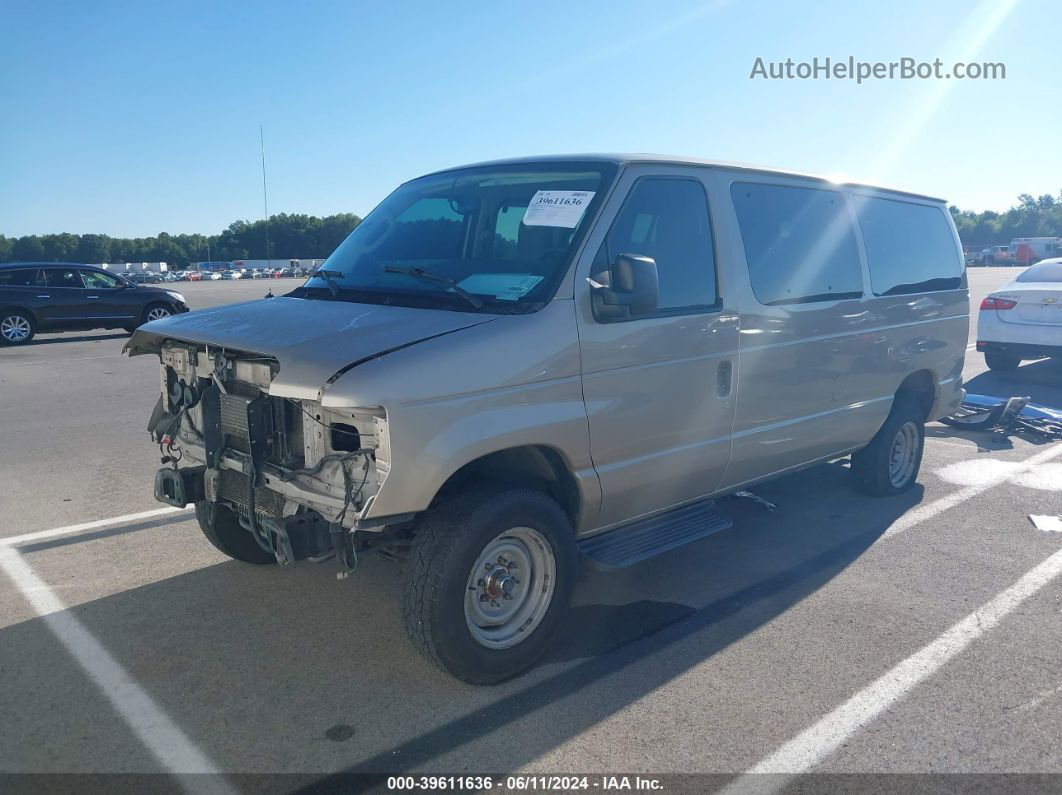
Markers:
(910, 247)
(667, 219)
(800, 244)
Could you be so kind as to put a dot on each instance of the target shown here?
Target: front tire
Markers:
(155, 312)
(16, 327)
(1002, 362)
(490, 576)
(889, 464)
(222, 528)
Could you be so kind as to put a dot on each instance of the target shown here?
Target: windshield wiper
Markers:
(419, 273)
(328, 277)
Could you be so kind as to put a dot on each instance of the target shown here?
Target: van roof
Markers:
(624, 159)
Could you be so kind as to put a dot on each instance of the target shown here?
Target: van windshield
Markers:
(492, 239)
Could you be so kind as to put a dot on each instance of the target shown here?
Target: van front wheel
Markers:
(889, 464)
(489, 578)
(222, 528)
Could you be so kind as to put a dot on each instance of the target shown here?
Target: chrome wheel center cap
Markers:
(499, 583)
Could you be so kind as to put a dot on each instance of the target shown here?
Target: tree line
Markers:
(307, 236)
(290, 236)
(1030, 217)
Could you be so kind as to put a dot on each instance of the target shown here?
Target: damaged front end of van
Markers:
(240, 424)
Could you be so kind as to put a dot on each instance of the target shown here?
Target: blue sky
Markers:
(131, 118)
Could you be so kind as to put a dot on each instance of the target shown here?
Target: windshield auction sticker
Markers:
(557, 208)
(506, 286)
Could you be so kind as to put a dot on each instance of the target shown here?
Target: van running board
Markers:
(646, 538)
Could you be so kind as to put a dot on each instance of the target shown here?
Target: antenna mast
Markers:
(265, 196)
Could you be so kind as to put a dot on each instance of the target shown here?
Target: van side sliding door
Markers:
(808, 381)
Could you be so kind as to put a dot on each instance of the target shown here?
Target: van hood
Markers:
(312, 341)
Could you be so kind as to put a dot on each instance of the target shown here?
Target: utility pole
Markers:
(265, 197)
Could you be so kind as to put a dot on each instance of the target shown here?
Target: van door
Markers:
(810, 344)
(659, 386)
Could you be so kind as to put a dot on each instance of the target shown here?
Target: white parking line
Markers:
(114, 521)
(825, 736)
(60, 361)
(155, 729)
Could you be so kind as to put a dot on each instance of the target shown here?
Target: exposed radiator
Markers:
(233, 488)
(234, 422)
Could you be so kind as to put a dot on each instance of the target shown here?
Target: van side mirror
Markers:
(633, 289)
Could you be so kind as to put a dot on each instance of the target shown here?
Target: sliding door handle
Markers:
(725, 378)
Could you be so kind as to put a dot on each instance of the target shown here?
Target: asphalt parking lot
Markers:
(839, 633)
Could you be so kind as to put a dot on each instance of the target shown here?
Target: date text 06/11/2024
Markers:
(528, 783)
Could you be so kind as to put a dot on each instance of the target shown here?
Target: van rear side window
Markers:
(910, 247)
(800, 244)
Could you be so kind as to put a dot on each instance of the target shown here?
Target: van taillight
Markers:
(998, 304)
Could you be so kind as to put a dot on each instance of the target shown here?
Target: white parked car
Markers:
(215, 277)
(1023, 319)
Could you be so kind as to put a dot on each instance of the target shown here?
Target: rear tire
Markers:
(222, 528)
(485, 568)
(889, 464)
(1002, 362)
(17, 327)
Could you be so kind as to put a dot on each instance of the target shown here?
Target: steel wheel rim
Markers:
(157, 313)
(903, 454)
(15, 328)
(510, 588)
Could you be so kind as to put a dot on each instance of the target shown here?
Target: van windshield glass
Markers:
(491, 239)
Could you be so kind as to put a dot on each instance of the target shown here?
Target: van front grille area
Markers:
(286, 449)
(233, 488)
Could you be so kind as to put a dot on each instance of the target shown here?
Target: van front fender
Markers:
(431, 440)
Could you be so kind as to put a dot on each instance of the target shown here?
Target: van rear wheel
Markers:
(889, 464)
(490, 575)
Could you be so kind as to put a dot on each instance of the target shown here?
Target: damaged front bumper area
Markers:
(298, 476)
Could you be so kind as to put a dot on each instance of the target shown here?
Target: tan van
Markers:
(511, 368)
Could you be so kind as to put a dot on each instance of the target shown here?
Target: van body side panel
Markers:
(814, 395)
(458, 397)
(659, 426)
(818, 379)
(807, 386)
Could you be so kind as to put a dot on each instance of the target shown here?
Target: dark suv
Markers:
(48, 296)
